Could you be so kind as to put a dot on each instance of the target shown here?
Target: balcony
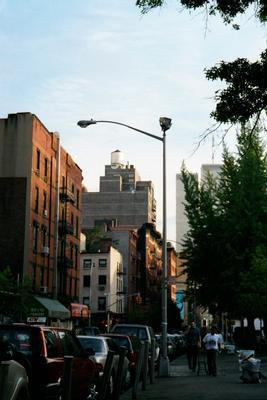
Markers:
(65, 195)
(64, 262)
(65, 228)
(120, 272)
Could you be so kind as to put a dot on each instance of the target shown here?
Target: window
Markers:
(102, 263)
(78, 199)
(36, 203)
(42, 276)
(69, 345)
(76, 257)
(43, 236)
(77, 227)
(51, 344)
(102, 302)
(63, 181)
(72, 188)
(46, 167)
(35, 236)
(70, 284)
(86, 281)
(71, 251)
(102, 279)
(86, 301)
(33, 276)
(38, 155)
(45, 200)
(71, 218)
(87, 263)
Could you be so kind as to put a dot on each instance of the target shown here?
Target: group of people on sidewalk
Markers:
(195, 342)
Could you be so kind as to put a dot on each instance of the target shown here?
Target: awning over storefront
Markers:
(79, 310)
(45, 307)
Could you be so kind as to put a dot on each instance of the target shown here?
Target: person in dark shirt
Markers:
(192, 345)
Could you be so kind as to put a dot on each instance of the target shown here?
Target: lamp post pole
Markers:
(165, 124)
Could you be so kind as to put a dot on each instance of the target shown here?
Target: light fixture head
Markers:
(165, 123)
(85, 123)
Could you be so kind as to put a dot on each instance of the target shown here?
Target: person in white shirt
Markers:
(212, 343)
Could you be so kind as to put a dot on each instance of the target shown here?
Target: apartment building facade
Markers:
(102, 284)
(31, 181)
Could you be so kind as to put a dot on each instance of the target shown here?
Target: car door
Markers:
(83, 369)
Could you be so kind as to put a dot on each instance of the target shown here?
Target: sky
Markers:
(69, 60)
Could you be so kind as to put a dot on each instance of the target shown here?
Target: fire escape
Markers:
(65, 229)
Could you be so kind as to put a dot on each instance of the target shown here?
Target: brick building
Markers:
(28, 207)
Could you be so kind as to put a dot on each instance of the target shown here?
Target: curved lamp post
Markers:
(165, 124)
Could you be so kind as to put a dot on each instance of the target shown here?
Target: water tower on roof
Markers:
(117, 159)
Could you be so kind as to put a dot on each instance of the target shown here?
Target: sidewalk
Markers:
(186, 385)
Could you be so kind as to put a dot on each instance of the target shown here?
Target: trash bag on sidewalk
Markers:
(249, 367)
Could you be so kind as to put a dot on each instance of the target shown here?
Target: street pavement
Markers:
(183, 384)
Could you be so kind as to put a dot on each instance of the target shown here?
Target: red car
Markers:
(41, 351)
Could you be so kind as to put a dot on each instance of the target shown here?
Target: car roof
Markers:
(133, 325)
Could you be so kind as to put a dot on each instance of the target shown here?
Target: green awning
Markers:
(45, 307)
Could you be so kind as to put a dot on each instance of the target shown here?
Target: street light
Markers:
(165, 124)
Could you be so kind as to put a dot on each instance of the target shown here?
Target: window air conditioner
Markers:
(101, 288)
(44, 289)
(45, 213)
(45, 250)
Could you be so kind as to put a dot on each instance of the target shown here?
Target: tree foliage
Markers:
(225, 248)
(13, 295)
(227, 9)
(246, 93)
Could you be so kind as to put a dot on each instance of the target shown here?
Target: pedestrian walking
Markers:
(213, 343)
(192, 346)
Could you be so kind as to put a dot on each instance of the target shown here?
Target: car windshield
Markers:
(20, 338)
(121, 341)
(132, 331)
(96, 344)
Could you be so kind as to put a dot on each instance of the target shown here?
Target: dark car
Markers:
(132, 345)
(101, 346)
(41, 350)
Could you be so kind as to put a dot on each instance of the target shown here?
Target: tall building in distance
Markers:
(31, 181)
(123, 198)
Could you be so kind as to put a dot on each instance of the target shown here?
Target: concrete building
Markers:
(125, 239)
(28, 204)
(102, 283)
(123, 199)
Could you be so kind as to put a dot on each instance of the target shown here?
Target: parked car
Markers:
(132, 345)
(41, 350)
(142, 332)
(101, 346)
(171, 346)
(13, 377)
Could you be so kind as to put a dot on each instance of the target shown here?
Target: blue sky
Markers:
(68, 60)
